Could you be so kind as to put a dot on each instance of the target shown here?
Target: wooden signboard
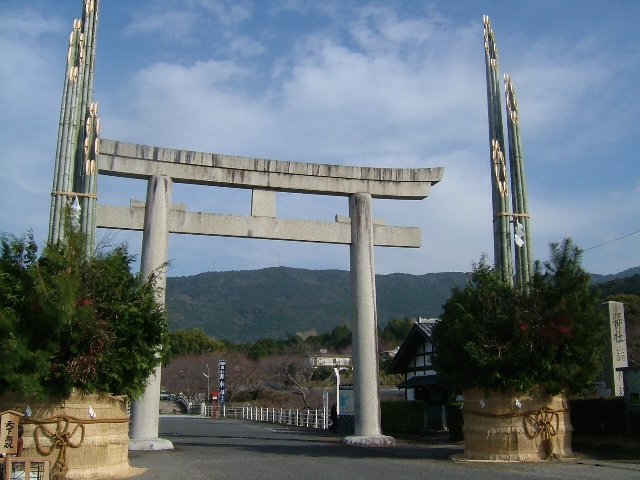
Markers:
(9, 421)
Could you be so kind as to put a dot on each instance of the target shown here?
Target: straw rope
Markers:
(63, 437)
(509, 214)
(74, 194)
(544, 422)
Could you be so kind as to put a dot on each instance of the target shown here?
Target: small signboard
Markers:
(346, 400)
(315, 361)
(10, 420)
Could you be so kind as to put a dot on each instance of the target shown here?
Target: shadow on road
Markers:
(297, 441)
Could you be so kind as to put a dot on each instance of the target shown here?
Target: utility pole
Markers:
(208, 385)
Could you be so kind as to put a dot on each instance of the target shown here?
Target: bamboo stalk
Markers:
(501, 226)
(524, 256)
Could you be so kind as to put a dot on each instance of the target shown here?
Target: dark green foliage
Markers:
(323, 373)
(246, 306)
(627, 285)
(402, 417)
(397, 330)
(67, 322)
(338, 339)
(490, 335)
(263, 348)
(455, 421)
(194, 341)
(335, 341)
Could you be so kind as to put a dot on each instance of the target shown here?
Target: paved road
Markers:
(236, 449)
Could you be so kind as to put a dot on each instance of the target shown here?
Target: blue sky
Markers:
(367, 83)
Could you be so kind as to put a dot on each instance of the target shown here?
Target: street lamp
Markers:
(208, 387)
(184, 383)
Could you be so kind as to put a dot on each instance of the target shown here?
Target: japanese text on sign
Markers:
(222, 383)
(9, 432)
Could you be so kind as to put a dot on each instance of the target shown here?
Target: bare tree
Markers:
(296, 379)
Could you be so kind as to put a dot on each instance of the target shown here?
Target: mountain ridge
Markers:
(247, 305)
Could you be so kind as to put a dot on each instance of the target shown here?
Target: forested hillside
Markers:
(265, 366)
(630, 272)
(245, 306)
(626, 285)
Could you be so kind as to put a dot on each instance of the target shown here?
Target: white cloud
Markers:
(170, 25)
(245, 46)
(228, 12)
(372, 83)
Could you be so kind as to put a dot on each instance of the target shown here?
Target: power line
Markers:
(614, 240)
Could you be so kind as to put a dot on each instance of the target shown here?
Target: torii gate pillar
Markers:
(365, 321)
(143, 432)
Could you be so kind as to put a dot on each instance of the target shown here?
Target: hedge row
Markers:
(402, 417)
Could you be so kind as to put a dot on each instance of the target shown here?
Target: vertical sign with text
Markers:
(222, 382)
(9, 432)
(616, 355)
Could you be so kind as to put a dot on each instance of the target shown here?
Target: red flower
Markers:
(524, 326)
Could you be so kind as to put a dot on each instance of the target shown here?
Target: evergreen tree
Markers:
(491, 335)
(71, 322)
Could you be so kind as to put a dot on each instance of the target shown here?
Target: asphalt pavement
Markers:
(240, 449)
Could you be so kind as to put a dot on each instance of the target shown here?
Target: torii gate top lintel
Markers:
(185, 166)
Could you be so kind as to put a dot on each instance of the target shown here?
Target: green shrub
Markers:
(491, 335)
(402, 417)
(68, 322)
(455, 421)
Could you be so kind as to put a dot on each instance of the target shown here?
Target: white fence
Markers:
(286, 416)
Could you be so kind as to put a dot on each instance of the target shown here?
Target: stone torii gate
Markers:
(81, 155)
(162, 167)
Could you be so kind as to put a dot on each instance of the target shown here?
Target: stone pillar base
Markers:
(378, 440)
(137, 444)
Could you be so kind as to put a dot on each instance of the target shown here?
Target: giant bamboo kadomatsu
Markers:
(75, 173)
(502, 216)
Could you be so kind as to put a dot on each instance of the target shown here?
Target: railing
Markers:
(286, 416)
(185, 402)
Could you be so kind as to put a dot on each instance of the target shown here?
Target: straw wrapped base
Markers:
(508, 427)
(83, 436)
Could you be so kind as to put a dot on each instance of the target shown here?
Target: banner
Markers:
(222, 382)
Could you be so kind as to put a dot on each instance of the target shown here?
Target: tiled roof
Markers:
(420, 333)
